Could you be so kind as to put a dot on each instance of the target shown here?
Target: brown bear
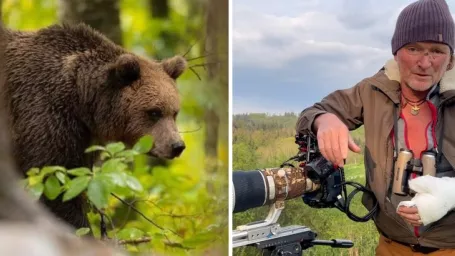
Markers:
(69, 86)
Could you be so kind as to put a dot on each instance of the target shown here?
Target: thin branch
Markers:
(191, 47)
(151, 202)
(103, 229)
(194, 71)
(112, 224)
(177, 245)
(204, 64)
(137, 211)
(135, 241)
(177, 215)
(125, 221)
(140, 213)
(200, 57)
(188, 51)
(200, 127)
(166, 213)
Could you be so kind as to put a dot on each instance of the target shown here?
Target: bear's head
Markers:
(142, 99)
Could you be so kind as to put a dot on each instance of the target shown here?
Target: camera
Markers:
(329, 177)
(320, 171)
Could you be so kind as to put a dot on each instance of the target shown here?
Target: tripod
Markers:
(294, 240)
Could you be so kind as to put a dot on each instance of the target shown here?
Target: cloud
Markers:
(290, 54)
(273, 41)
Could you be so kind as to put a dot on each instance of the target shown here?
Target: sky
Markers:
(287, 55)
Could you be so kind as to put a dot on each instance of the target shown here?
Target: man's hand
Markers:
(434, 197)
(410, 215)
(334, 139)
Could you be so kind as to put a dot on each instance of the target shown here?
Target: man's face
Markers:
(423, 64)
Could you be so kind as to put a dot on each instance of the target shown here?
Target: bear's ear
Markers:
(174, 66)
(125, 71)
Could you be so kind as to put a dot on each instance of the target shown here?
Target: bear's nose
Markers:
(177, 148)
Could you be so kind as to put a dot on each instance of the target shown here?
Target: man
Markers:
(409, 104)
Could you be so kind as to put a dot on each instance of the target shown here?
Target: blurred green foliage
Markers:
(265, 141)
(178, 200)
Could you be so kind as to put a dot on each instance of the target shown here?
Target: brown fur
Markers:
(68, 86)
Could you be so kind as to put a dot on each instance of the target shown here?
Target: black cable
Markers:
(344, 202)
(344, 206)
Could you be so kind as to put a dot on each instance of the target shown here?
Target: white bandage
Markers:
(434, 197)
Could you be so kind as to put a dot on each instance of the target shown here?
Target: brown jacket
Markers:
(371, 103)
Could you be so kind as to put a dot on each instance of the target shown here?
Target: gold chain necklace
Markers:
(415, 105)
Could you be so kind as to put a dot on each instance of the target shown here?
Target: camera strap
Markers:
(395, 147)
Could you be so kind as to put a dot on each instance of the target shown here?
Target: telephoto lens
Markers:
(256, 188)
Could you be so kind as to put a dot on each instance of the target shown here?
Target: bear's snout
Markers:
(177, 148)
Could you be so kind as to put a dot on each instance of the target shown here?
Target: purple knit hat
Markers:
(424, 20)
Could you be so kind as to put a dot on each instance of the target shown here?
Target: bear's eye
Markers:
(155, 114)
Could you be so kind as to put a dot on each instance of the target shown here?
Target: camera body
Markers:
(320, 171)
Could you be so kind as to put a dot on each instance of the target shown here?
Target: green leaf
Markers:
(141, 164)
(52, 187)
(113, 165)
(104, 155)
(133, 183)
(115, 178)
(33, 180)
(79, 171)
(158, 236)
(51, 169)
(82, 231)
(127, 153)
(95, 148)
(199, 239)
(36, 190)
(61, 177)
(75, 187)
(33, 171)
(130, 233)
(144, 144)
(98, 192)
(114, 148)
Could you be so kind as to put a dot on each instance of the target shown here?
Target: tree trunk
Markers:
(159, 8)
(216, 116)
(102, 15)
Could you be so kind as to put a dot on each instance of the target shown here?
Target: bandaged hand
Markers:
(410, 214)
(434, 197)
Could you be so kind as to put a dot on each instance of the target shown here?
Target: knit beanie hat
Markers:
(424, 20)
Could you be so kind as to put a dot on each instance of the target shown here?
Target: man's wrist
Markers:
(317, 122)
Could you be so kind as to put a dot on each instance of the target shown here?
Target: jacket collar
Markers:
(390, 83)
